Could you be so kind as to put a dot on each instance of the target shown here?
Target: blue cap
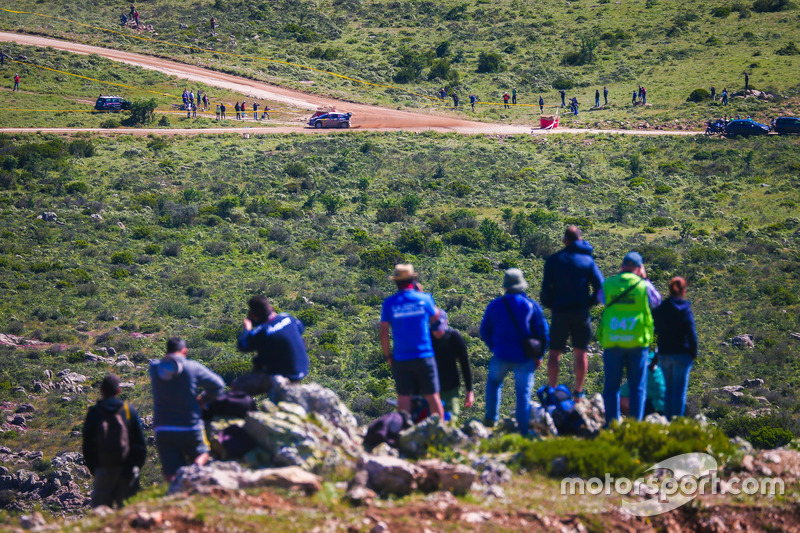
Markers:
(632, 259)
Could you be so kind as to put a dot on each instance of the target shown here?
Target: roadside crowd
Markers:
(428, 358)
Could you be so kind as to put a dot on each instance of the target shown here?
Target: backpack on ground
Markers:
(386, 429)
(559, 403)
(113, 442)
(232, 404)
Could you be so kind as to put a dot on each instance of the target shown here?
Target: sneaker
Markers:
(578, 395)
(489, 423)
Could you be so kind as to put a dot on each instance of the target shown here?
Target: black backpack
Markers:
(113, 442)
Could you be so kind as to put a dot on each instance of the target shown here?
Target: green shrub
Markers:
(788, 50)
(469, 237)
(383, 258)
(412, 240)
(771, 6)
(121, 258)
(460, 189)
(660, 222)
(110, 124)
(120, 273)
(152, 249)
(76, 187)
(699, 95)
(489, 62)
(702, 254)
(310, 316)
(230, 370)
(142, 112)
(223, 333)
(331, 202)
(481, 266)
(721, 11)
(389, 214)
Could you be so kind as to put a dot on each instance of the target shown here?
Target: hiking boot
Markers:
(578, 395)
(489, 423)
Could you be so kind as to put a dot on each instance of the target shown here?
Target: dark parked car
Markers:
(331, 120)
(784, 125)
(745, 128)
(111, 103)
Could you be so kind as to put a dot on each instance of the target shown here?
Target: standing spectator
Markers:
(605, 95)
(570, 286)
(597, 97)
(507, 322)
(123, 20)
(713, 94)
(136, 18)
(244, 110)
(455, 99)
(16, 83)
(633, 101)
(677, 344)
(114, 447)
(238, 109)
(213, 23)
(177, 418)
(472, 100)
(514, 96)
(222, 110)
(218, 112)
(449, 348)
(409, 314)
(640, 93)
(725, 96)
(541, 104)
(266, 112)
(505, 101)
(277, 339)
(625, 333)
(575, 105)
(3, 58)
(563, 94)
(189, 107)
(255, 110)
(644, 95)
(746, 83)
(132, 11)
(443, 94)
(185, 96)
(194, 110)
(205, 101)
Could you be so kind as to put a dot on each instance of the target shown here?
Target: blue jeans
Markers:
(523, 386)
(676, 368)
(634, 362)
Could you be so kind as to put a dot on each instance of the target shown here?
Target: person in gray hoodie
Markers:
(177, 407)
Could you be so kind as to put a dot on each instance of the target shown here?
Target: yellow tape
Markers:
(231, 54)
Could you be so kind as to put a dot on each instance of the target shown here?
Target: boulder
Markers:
(415, 441)
(25, 408)
(33, 522)
(391, 475)
(753, 383)
(315, 398)
(232, 476)
(441, 476)
(93, 358)
(593, 413)
(475, 429)
(491, 471)
(743, 341)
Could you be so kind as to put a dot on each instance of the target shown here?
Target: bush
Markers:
(384, 258)
(164, 121)
(469, 237)
(489, 62)
(563, 83)
(110, 124)
(217, 248)
(121, 258)
(230, 370)
(721, 11)
(699, 95)
(331, 202)
(788, 50)
(412, 241)
(390, 214)
(481, 266)
(768, 430)
(142, 112)
(770, 6)
(310, 316)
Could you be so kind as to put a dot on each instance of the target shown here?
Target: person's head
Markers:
(632, 262)
(514, 281)
(440, 327)
(404, 276)
(677, 287)
(176, 345)
(109, 387)
(572, 235)
(259, 309)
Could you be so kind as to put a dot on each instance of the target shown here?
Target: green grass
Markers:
(672, 48)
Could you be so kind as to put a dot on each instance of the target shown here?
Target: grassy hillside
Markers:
(191, 227)
(477, 47)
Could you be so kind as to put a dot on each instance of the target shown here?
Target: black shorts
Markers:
(575, 324)
(416, 376)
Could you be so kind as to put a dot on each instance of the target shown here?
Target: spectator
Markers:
(189, 107)
(277, 339)
(222, 110)
(570, 286)
(541, 104)
(238, 109)
(677, 344)
(575, 105)
(176, 382)
(746, 83)
(443, 94)
(505, 101)
(266, 112)
(194, 111)
(625, 332)
(514, 96)
(136, 18)
(449, 347)
(633, 101)
(507, 322)
(472, 100)
(205, 101)
(123, 20)
(114, 446)
(597, 97)
(16, 83)
(725, 96)
(455, 99)
(713, 94)
(218, 112)
(255, 110)
(605, 95)
(644, 95)
(213, 23)
(408, 314)
(244, 110)
(656, 390)
(563, 94)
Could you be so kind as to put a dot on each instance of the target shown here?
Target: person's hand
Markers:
(641, 272)
(248, 324)
(537, 363)
(470, 399)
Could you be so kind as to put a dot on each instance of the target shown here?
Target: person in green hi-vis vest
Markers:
(625, 333)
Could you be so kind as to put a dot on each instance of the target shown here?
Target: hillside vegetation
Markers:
(478, 47)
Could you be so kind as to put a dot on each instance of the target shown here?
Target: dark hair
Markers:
(260, 308)
(175, 344)
(572, 234)
(110, 385)
(677, 286)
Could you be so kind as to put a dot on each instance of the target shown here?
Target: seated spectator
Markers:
(656, 391)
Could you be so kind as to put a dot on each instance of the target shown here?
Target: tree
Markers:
(411, 203)
(142, 112)
(489, 62)
(492, 234)
(331, 202)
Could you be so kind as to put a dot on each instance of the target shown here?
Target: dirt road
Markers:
(365, 117)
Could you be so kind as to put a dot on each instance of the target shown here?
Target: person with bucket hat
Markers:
(409, 314)
(625, 332)
(508, 324)
(450, 351)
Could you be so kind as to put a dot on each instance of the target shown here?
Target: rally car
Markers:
(330, 120)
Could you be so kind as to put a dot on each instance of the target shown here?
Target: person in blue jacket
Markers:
(570, 286)
(677, 344)
(507, 321)
(277, 339)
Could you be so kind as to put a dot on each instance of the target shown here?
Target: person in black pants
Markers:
(450, 349)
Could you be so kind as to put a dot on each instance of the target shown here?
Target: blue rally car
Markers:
(745, 128)
(330, 120)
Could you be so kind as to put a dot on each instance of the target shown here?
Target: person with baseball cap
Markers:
(409, 314)
(625, 333)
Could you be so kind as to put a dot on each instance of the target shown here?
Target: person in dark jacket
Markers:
(677, 344)
(113, 483)
(176, 382)
(450, 350)
(277, 339)
(507, 321)
(570, 286)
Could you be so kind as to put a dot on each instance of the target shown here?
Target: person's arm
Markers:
(692, 335)
(653, 296)
(89, 447)
(546, 294)
(138, 444)
(243, 342)
(211, 383)
(538, 326)
(596, 281)
(460, 349)
(486, 329)
(385, 343)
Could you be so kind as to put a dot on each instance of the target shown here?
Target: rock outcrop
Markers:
(233, 476)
